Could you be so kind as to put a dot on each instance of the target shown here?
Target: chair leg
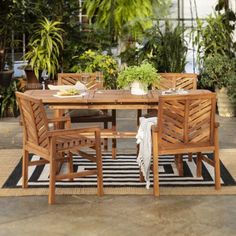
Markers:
(179, 164)
(190, 156)
(70, 163)
(53, 169)
(199, 164)
(113, 148)
(105, 139)
(217, 160)
(114, 141)
(156, 190)
(52, 181)
(99, 164)
(25, 163)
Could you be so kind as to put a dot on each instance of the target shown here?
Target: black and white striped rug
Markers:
(122, 172)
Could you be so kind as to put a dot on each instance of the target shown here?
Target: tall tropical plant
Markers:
(45, 46)
(163, 46)
(215, 36)
(122, 16)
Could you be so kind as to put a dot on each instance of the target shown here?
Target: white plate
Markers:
(60, 87)
(70, 96)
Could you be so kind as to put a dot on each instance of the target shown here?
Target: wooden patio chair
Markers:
(55, 146)
(186, 81)
(186, 124)
(92, 81)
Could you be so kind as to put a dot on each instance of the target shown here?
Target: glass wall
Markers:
(186, 12)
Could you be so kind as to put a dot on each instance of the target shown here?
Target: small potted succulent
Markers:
(138, 78)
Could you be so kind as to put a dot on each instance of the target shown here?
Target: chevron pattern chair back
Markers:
(92, 81)
(185, 121)
(186, 124)
(185, 81)
(34, 116)
(56, 146)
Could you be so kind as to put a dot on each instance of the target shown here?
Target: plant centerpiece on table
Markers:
(45, 46)
(138, 78)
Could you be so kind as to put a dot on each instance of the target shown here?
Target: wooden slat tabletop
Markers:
(116, 98)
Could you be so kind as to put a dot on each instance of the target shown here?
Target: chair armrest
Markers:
(64, 132)
(154, 128)
(59, 119)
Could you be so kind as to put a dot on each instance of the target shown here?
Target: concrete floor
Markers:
(118, 215)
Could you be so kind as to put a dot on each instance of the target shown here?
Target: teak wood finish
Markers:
(185, 81)
(186, 124)
(92, 81)
(55, 146)
(105, 99)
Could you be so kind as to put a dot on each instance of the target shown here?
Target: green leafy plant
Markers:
(219, 71)
(9, 106)
(165, 48)
(92, 61)
(44, 47)
(145, 74)
(215, 36)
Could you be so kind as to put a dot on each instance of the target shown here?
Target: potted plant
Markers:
(219, 72)
(45, 46)
(138, 78)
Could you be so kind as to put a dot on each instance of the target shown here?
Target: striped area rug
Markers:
(122, 172)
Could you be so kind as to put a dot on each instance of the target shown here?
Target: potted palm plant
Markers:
(138, 78)
(45, 46)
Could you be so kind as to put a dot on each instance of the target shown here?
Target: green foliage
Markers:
(214, 37)
(9, 106)
(115, 14)
(145, 73)
(44, 47)
(124, 17)
(219, 71)
(165, 49)
(92, 61)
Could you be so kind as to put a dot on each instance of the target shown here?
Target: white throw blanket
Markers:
(144, 140)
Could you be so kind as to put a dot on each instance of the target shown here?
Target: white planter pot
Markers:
(226, 107)
(138, 88)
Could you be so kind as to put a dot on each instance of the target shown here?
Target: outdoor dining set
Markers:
(185, 116)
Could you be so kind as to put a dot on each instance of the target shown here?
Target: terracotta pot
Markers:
(226, 107)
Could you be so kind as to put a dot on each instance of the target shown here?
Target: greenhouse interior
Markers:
(118, 117)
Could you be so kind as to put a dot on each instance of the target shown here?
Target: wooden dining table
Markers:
(103, 99)
(99, 99)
